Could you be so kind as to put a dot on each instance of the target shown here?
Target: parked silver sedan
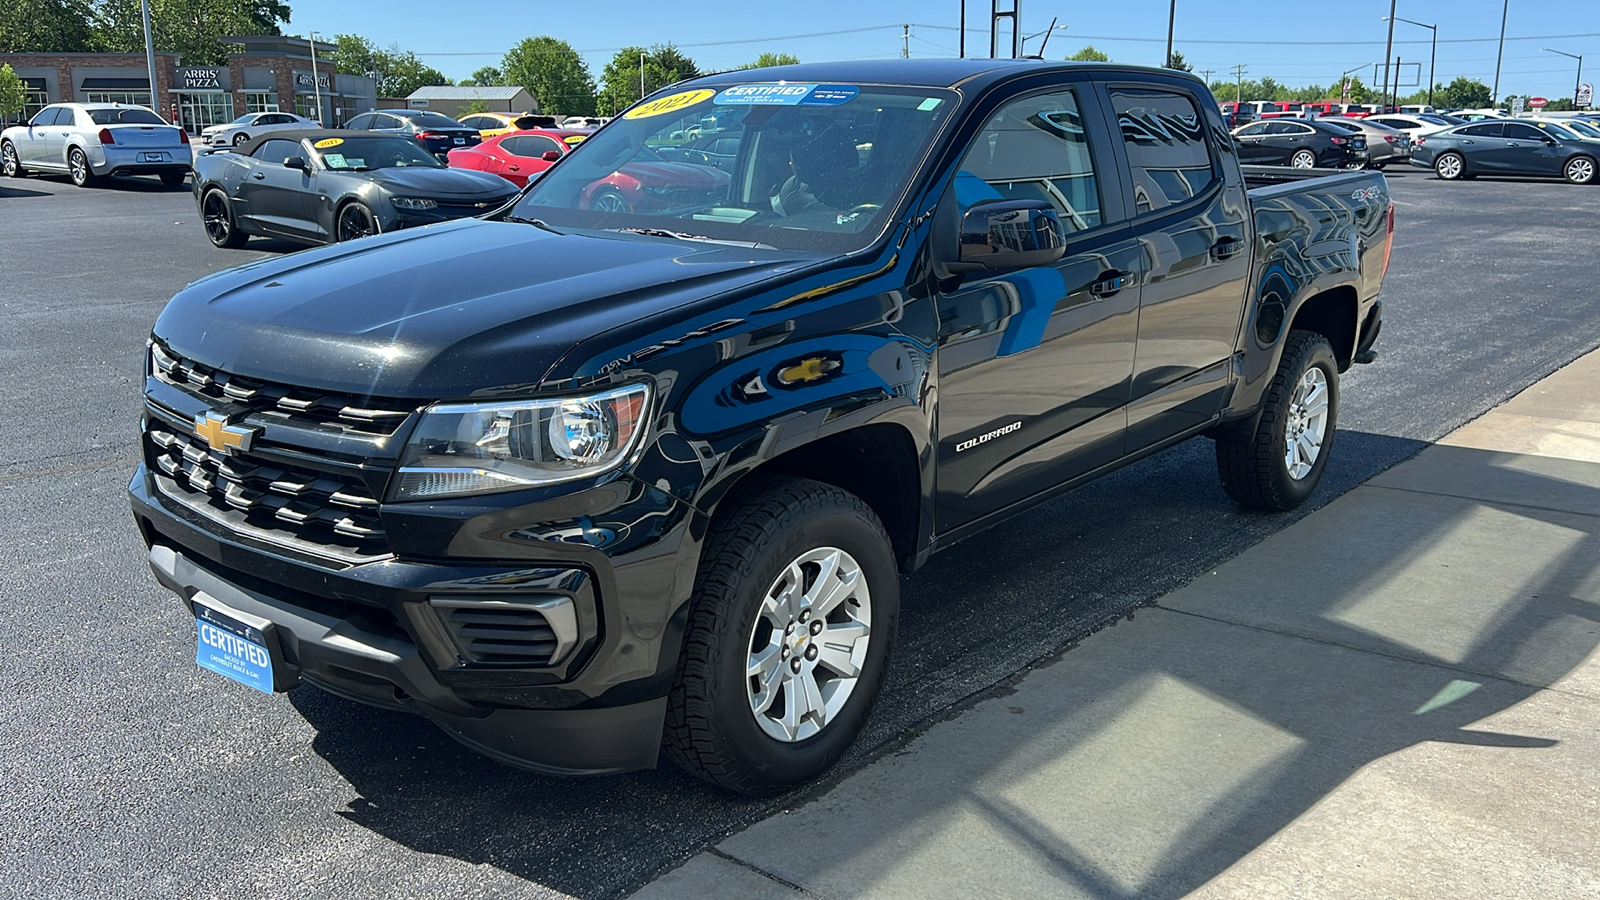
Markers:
(87, 141)
(1385, 145)
(249, 125)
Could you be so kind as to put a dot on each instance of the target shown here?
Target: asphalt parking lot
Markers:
(132, 773)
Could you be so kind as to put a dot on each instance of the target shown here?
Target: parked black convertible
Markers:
(320, 187)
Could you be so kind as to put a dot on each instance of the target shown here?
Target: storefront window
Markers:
(199, 111)
(135, 98)
(260, 101)
(306, 105)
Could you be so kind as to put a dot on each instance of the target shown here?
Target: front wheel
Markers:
(1579, 170)
(10, 161)
(240, 138)
(788, 638)
(355, 221)
(1449, 166)
(1279, 465)
(78, 168)
(1303, 159)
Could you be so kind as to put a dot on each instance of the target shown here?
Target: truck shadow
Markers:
(993, 606)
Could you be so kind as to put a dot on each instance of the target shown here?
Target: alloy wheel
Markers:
(1448, 166)
(1580, 170)
(1304, 159)
(78, 167)
(610, 202)
(1307, 424)
(215, 213)
(11, 163)
(808, 644)
(354, 222)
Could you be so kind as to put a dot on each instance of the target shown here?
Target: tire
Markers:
(216, 214)
(172, 179)
(1579, 170)
(610, 200)
(1450, 166)
(78, 168)
(354, 221)
(10, 162)
(723, 724)
(1303, 159)
(1257, 471)
(240, 138)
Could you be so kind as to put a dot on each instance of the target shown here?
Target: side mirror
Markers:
(550, 155)
(295, 162)
(1011, 234)
(1551, 141)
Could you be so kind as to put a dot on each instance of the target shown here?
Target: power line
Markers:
(781, 37)
(1147, 40)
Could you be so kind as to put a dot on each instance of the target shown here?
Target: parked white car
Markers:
(87, 141)
(1415, 125)
(249, 125)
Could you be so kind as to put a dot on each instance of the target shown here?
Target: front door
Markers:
(1527, 151)
(276, 196)
(1190, 220)
(1034, 364)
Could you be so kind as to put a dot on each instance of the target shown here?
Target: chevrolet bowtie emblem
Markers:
(219, 435)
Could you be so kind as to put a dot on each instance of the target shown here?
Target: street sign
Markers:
(1585, 94)
(1516, 106)
(1537, 102)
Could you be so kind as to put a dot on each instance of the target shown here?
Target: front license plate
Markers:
(230, 647)
(461, 140)
(152, 157)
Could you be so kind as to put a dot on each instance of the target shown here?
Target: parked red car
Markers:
(516, 155)
(651, 182)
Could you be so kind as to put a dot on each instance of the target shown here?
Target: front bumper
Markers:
(380, 632)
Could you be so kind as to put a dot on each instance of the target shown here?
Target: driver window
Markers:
(1519, 131)
(277, 152)
(1034, 149)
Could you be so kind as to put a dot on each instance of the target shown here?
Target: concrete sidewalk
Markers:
(1397, 696)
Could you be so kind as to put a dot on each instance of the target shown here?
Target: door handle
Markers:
(259, 176)
(515, 168)
(1513, 144)
(1109, 283)
(1466, 142)
(1225, 247)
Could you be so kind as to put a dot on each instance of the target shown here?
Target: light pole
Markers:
(316, 83)
(1047, 32)
(1388, 54)
(1432, 57)
(150, 58)
(1579, 80)
(1494, 95)
(1172, 18)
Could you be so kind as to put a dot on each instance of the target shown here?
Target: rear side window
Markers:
(1522, 132)
(1034, 149)
(433, 120)
(1170, 158)
(531, 145)
(1487, 129)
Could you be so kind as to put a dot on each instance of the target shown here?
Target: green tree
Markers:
(12, 92)
(488, 76)
(191, 28)
(471, 109)
(1088, 54)
(399, 72)
(768, 60)
(553, 73)
(1463, 93)
(1179, 63)
(1561, 104)
(663, 65)
(46, 26)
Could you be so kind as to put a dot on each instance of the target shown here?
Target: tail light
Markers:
(1388, 241)
(105, 136)
(183, 136)
(1340, 140)
(1392, 138)
(431, 135)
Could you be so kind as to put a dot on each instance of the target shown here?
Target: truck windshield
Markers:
(786, 165)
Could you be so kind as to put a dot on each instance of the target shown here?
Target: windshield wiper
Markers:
(679, 235)
(537, 223)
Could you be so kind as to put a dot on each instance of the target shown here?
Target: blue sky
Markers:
(1294, 42)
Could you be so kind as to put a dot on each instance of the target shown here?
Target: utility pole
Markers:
(1494, 95)
(1238, 83)
(1207, 74)
(1172, 18)
(1388, 52)
(150, 59)
(905, 41)
(641, 75)
(316, 83)
(962, 42)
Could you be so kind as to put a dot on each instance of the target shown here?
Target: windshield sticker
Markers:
(929, 105)
(575, 138)
(786, 94)
(325, 143)
(669, 104)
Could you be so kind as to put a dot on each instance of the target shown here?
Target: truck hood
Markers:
(449, 311)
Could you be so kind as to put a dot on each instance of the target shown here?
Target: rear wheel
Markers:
(355, 221)
(610, 200)
(1579, 170)
(1303, 159)
(789, 635)
(1279, 465)
(1449, 166)
(10, 162)
(217, 215)
(78, 168)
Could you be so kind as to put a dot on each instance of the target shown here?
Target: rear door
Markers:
(1189, 216)
(1482, 146)
(1034, 363)
(1251, 142)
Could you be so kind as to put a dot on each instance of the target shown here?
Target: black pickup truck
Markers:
(634, 462)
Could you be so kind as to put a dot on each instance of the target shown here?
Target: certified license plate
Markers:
(461, 140)
(233, 648)
(152, 157)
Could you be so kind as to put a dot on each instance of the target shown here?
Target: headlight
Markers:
(479, 448)
(413, 203)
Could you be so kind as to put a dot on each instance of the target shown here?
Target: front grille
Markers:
(302, 507)
(502, 634)
(472, 207)
(358, 414)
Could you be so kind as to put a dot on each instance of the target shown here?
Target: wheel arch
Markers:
(1334, 314)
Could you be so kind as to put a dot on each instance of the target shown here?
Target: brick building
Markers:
(267, 73)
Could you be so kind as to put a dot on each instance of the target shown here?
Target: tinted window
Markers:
(1487, 129)
(1167, 148)
(359, 123)
(1253, 130)
(365, 153)
(482, 123)
(529, 145)
(433, 120)
(1521, 132)
(277, 151)
(118, 117)
(1034, 149)
(385, 122)
(43, 117)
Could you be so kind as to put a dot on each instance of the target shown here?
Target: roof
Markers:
(315, 134)
(917, 72)
(468, 92)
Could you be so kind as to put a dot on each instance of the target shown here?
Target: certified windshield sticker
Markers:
(786, 94)
(325, 143)
(669, 104)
